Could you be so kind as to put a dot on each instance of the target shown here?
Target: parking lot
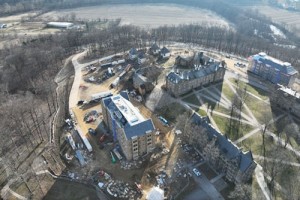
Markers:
(208, 182)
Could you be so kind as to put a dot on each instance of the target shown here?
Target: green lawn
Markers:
(287, 174)
(202, 112)
(261, 110)
(254, 143)
(252, 89)
(192, 99)
(227, 91)
(223, 124)
(215, 106)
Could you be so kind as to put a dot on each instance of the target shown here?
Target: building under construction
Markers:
(134, 133)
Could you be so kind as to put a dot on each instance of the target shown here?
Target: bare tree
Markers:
(198, 137)
(211, 153)
(241, 192)
(237, 104)
(290, 130)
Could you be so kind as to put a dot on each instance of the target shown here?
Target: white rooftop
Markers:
(60, 24)
(267, 57)
(155, 194)
(131, 113)
(290, 91)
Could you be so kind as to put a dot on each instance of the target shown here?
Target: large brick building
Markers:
(272, 69)
(193, 72)
(287, 99)
(237, 165)
(134, 133)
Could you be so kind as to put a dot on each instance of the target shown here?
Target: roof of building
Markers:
(177, 77)
(155, 194)
(154, 47)
(140, 76)
(60, 24)
(164, 50)
(141, 55)
(289, 91)
(127, 116)
(227, 148)
(133, 51)
(283, 67)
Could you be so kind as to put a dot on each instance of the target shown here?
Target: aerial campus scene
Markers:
(150, 99)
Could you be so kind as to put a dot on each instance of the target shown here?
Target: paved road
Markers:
(206, 190)
(73, 99)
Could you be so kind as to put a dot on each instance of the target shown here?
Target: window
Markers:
(135, 149)
(149, 139)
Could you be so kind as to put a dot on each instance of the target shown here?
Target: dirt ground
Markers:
(145, 15)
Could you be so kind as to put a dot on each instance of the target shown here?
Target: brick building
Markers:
(134, 133)
(272, 69)
(193, 72)
(287, 99)
(237, 165)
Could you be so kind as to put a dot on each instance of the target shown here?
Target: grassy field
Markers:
(202, 112)
(227, 91)
(252, 89)
(145, 15)
(192, 99)
(215, 106)
(261, 110)
(223, 125)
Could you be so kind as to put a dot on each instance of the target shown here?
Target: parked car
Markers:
(92, 131)
(196, 172)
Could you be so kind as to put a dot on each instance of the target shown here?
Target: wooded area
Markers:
(28, 92)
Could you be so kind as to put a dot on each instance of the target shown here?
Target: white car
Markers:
(196, 172)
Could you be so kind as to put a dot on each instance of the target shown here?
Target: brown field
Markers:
(281, 16)
(145, 15)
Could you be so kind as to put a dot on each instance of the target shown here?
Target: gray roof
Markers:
(227, 148)
(164, 50)
(133, 51)
(130, 131)
(194, 74)
(154, 47)
(139, 129)
(271, 62)
(141, 55)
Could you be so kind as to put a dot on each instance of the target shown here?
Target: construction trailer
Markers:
(116, 152)
(99, 96)
(65, 25)
(84, 140)
(71, 141)
(80, 158)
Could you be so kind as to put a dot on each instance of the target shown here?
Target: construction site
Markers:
(92, 148)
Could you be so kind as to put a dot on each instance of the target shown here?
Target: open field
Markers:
(284, 17)
(223, 125)
(14, 18)
(144, 15)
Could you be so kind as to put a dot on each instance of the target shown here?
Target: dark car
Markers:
(92, 131)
